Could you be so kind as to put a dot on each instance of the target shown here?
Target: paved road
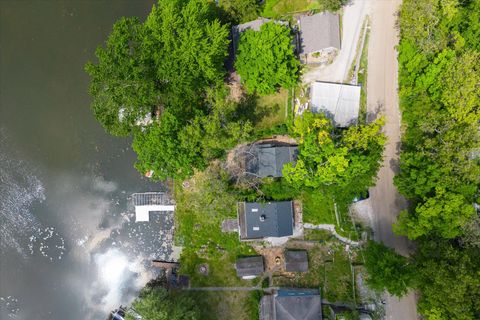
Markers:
(382, 90)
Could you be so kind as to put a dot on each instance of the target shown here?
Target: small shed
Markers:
(260, 220)
(249, 267)
(296, 261)
(339, 102)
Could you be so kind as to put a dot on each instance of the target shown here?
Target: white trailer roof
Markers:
(340, 102)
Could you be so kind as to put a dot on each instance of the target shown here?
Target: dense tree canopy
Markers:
(265, 59)
(449, 280)
(240, 11)
(346, 159)
(172, 149)
(388, 270)
(166, 62)
(162, 82)
(440, 99)
(123, 85)
(158, 304)
(439, 80)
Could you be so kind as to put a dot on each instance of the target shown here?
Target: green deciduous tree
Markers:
(168, 148)
(443, 215)
(449, 280)
(265, 59)
(387, 269)
(122, 83)
(173, 149)
(158, 304)
(240, 11)
(166, 62)
(346, 160)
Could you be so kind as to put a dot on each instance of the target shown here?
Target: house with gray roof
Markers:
(262, 220)
(318, 32)
(267, 160)
(296, 261)
(292, 304)
(249, 267)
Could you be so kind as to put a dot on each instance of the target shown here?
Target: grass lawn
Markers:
(271, 109)
(318, 208)
(200, 210)
(278, 8)
(227, 304)
(362, 76)
(329, 270)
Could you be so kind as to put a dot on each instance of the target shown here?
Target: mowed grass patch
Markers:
(200, 209)
(278, 8)
(271, 110)
(241, 305)
(318, 208)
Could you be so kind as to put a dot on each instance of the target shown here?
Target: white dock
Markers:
(150, 202)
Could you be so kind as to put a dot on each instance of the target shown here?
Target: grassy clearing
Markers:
(329, 270)
(318, 208)
(200, 210)
(227, 304)
(362, 75)
(272, 109)
(278, 8)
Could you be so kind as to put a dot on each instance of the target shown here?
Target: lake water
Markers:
(68, 247)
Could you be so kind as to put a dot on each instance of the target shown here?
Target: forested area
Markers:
(343, 160)
(163, 82)
(439, 80)
(266, 60)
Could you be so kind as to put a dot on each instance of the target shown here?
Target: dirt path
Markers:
(382, 90)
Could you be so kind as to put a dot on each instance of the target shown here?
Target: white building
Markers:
(339, 102)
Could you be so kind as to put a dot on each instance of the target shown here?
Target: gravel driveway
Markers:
(353, 17)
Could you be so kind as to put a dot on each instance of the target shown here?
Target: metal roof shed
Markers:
(296, 261)
(249, 267)
(340, 102)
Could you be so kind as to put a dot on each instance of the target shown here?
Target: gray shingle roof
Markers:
(298, 304)
(272, 159)
(296, 261)
(261, 220)
(319, 31)
(249, 266)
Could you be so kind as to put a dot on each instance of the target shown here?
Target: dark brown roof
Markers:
(249, 266)
(296, 261)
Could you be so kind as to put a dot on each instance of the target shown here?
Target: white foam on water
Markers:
(19, 189)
